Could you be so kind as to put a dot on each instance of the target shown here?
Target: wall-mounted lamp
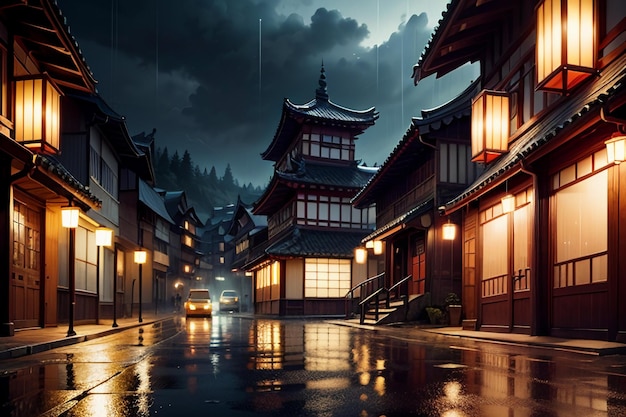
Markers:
(378, 247)
(449, 230)
(140, 258)
(616, 148)
(508, 201)
(490, 125)
(565, 44)
(360, 255)
(37, 113)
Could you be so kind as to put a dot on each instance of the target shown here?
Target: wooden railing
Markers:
(381, 296)
(364, 289)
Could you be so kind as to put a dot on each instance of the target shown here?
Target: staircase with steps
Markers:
(380, 305)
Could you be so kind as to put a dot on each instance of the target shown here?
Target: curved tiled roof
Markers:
(310, 243)
(407, 150)
(320, 110)
(348, 178)
(51, 166)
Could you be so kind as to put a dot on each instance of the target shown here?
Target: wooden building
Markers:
(39, 64)
(186, 251)
(306, 266)
(542, 229)
(429, 166)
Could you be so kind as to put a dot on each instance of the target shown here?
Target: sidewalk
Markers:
(30, 341)
(583, 346)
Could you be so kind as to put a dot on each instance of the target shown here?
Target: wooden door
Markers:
(418, 267)
(26, 265)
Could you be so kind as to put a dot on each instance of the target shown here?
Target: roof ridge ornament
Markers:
(321, 93)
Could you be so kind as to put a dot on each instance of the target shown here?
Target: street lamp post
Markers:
(115, 288)
(69, 220)
(104, 237)
(140, 258)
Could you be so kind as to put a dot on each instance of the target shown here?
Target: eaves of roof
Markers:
(401, 221)
(316, 111)
(153, 201)
(301, 242)
(41, 27)
(347, 178)
(404, 155)
(463, 25)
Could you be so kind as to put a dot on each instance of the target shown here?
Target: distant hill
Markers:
(204, 189)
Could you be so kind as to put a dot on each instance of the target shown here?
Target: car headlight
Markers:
(192, 307)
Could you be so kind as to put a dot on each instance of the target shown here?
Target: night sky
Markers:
(211, 75)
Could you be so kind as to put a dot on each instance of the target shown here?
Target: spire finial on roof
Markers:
(321, 93)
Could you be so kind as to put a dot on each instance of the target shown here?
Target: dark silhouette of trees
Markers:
(203, 188)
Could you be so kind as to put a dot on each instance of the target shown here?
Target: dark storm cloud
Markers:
(211, 75)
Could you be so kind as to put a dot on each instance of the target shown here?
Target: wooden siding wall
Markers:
(51, 267)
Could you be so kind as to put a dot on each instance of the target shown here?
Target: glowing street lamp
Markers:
(140, 258)
(69, 220)
(104, 237)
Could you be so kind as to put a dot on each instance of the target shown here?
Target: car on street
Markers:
(199, 303)
(229, 301)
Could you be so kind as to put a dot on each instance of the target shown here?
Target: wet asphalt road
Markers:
(231, 365)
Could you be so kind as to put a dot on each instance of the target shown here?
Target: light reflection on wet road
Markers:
(232, 365)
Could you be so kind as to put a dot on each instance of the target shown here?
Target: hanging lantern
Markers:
(490, 125)
(37, 113)
(508, 203)
(616, 148)
(565, 42)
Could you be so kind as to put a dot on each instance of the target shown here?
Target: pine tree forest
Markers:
(204, 189)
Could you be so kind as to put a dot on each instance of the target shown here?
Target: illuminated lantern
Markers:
(360, 255)
(69, 217)
(616, 148)
(490, 125)
(37, 113)
(565, 44)
(449, 231)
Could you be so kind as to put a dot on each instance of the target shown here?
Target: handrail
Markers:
(362, 284)
(365, 288)
(384, 294)
(402, 281)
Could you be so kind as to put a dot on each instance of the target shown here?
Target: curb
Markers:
(34, 348)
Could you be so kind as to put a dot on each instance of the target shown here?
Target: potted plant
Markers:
(453, 305)
(435, 315)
